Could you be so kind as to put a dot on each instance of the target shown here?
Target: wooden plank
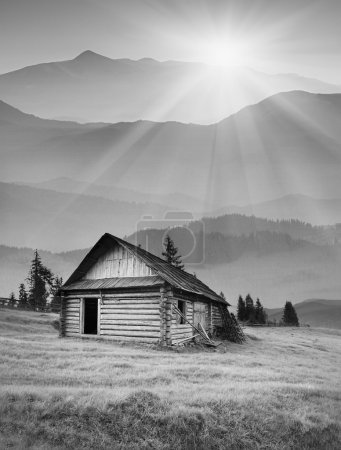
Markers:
(99, 316)
(146, 297)
(133, 314)
(72, 321)
(71, 330)
(152, 323)
(71, 316)
(181, 328)
(132, 299)
(81, 316)
(203, 330)
(145, 340)
(149, 307)
(131, 333)
(129, 295)
(186, 339)
(130, 327)
(176, 333)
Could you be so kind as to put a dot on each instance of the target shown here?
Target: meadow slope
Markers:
(280, 390)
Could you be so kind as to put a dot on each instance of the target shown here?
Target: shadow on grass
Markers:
(143, 420)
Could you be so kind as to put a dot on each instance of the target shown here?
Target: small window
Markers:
(182, 309)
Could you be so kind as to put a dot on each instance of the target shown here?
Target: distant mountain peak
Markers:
(88, 55)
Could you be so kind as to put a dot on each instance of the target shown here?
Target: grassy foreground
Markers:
(280, 390)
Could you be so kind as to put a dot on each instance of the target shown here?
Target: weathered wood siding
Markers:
(72, 316)
(131, 318)
(118, 262)
(216, 316)
(182, 331)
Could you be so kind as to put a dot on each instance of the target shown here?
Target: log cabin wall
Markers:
(118, 262)
(182, 331)
(121, 316)
(216, 316)
(131, 317)
(71, 313)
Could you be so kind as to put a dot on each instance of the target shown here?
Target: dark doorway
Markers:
(90, 315)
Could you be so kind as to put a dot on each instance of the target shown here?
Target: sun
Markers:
(226, 53)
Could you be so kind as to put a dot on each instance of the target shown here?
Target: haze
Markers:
(274, 36)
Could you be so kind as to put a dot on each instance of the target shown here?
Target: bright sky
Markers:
(301, 36)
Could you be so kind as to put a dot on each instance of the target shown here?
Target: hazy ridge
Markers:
(92, 87)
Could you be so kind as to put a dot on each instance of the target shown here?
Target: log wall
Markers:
(131, 318)
(135, 317)
(118, 262)
(182, 331)
(216, 317)
(72, 316)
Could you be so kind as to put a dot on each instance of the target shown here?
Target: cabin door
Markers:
(200, 314)
(90, 315)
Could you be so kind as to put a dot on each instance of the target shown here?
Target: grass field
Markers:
(280, 390)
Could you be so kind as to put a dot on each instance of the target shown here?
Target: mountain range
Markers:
(314, 312)
(60, 221)
(63, 221)
(92, 87)
(301, 207)
(255, 155)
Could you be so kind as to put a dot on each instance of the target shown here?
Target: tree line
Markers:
(42, 285)
(254, 313)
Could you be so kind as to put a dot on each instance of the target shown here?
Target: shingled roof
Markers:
(172, 275)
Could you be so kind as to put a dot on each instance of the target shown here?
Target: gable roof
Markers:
(174, 276)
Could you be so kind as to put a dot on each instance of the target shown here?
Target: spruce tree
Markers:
(39, 276)
(249, 309)
(260, 316)
(289, 315)
(170, 253)
(56, 301)
(23, 299)
(12, 300)
(241, 311)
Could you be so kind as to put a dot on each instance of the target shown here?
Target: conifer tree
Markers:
(170, 253)
(260, 316)
(249, 309)
(12, 300)
(39, 276)
(56, 301)
(241, 311)
(23, 299)
(289, 315)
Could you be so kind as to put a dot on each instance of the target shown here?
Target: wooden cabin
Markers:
(122, 292)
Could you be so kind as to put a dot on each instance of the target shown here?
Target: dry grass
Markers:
(281, 390)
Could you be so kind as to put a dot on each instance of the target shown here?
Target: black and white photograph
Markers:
(170, 224)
